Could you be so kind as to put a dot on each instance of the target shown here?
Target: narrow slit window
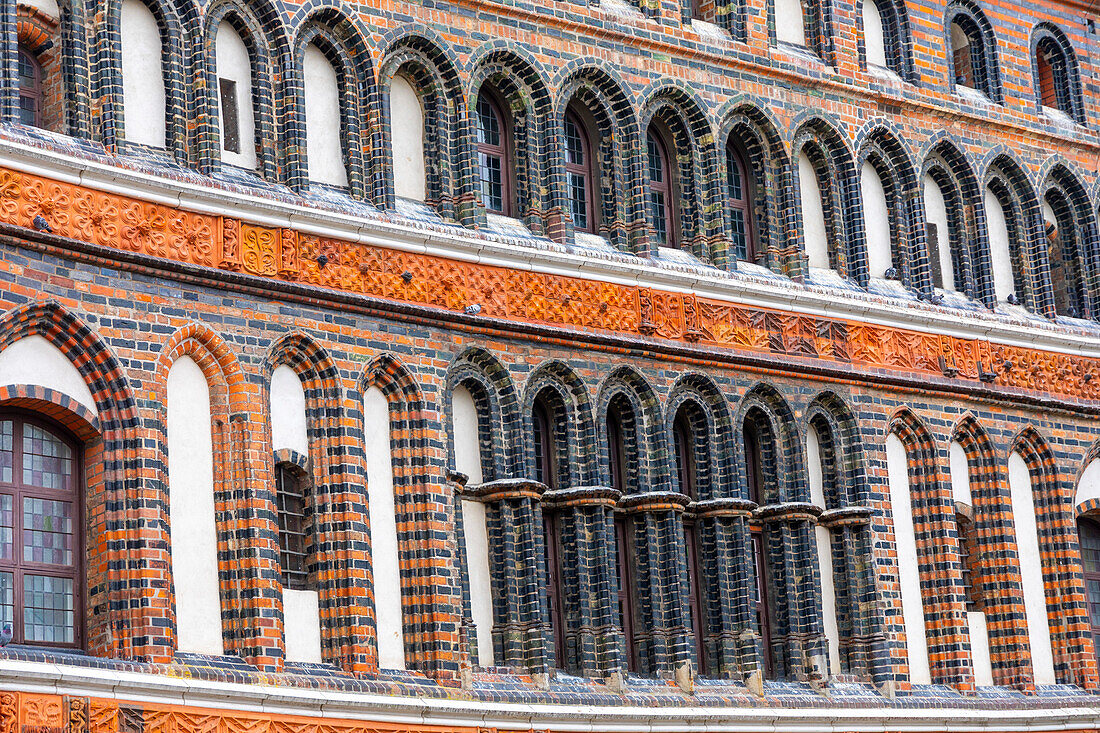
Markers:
(231, 126)
(294, 527)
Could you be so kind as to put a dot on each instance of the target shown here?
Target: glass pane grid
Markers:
(48, 609)
(574, 145)
(7, 450)
(492, 182)
(47, 462)
(657, 214)
(578, 200)
(488, 125)
(47, 531)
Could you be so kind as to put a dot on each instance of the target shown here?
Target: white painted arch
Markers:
(143, 97)
(35, 361)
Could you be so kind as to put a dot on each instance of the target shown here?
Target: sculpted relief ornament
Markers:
(109, 220)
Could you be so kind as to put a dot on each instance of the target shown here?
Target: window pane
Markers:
(574, 145)
(733, 170)
(7, 599)
(578, 200)
(47, 462)
(656, 167)
(488, 125)
(737, 234)
(492, 182)
(657, 212)
(7, 445)
(47, 531)
(47, 609)
(7, 527)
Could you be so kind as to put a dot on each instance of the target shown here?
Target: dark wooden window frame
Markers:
(295, 526)
(546, 471)
(1089, 527)
(686, 470)
(73, 493)
(754, 476)
(230, 106)
(665, 187)
(735, 156)
(501, 152)
(33, 93)
(585, 170)
(624, 541)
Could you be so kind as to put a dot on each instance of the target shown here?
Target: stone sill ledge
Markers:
(138, 687)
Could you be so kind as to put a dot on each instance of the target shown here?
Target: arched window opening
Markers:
(579, 173)
(1048, 91)
(1088, 532)
(1056, 76)
(821, 461)
(999, 220)
(740, 194)
(292, 498)
(143, 96)
(1025, 517)
(663, 211)
(961, 56)
(943, 234)
(759, 453)
(40, 538)
(815, 230)
(30, 88)
(324, 127)
(902, 484)
(494, 155)
(407, 138)
(466, 432)
(1061, 237)
(877, 220)
(874, 36)
(378, 431)
(546, 438)
(790, 22)
(970, 572)
(686, 470)
(972, 60)
(237, 113)
(618, 455)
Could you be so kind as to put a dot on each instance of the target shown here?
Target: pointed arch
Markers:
(597, 95)
(932, 509)
(343, 45)
(119, 624)
(972, 50)
(881, 149)
(430, 66)
(996, 585)
(335, 479)
(817, 146)
(672, 116)
(747, 129)
(431, 636)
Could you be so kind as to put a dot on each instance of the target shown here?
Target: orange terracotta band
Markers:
(226, 243)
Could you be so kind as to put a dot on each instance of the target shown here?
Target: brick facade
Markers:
(127, 259)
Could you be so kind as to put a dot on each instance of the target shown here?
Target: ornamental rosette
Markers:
(143, 229)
